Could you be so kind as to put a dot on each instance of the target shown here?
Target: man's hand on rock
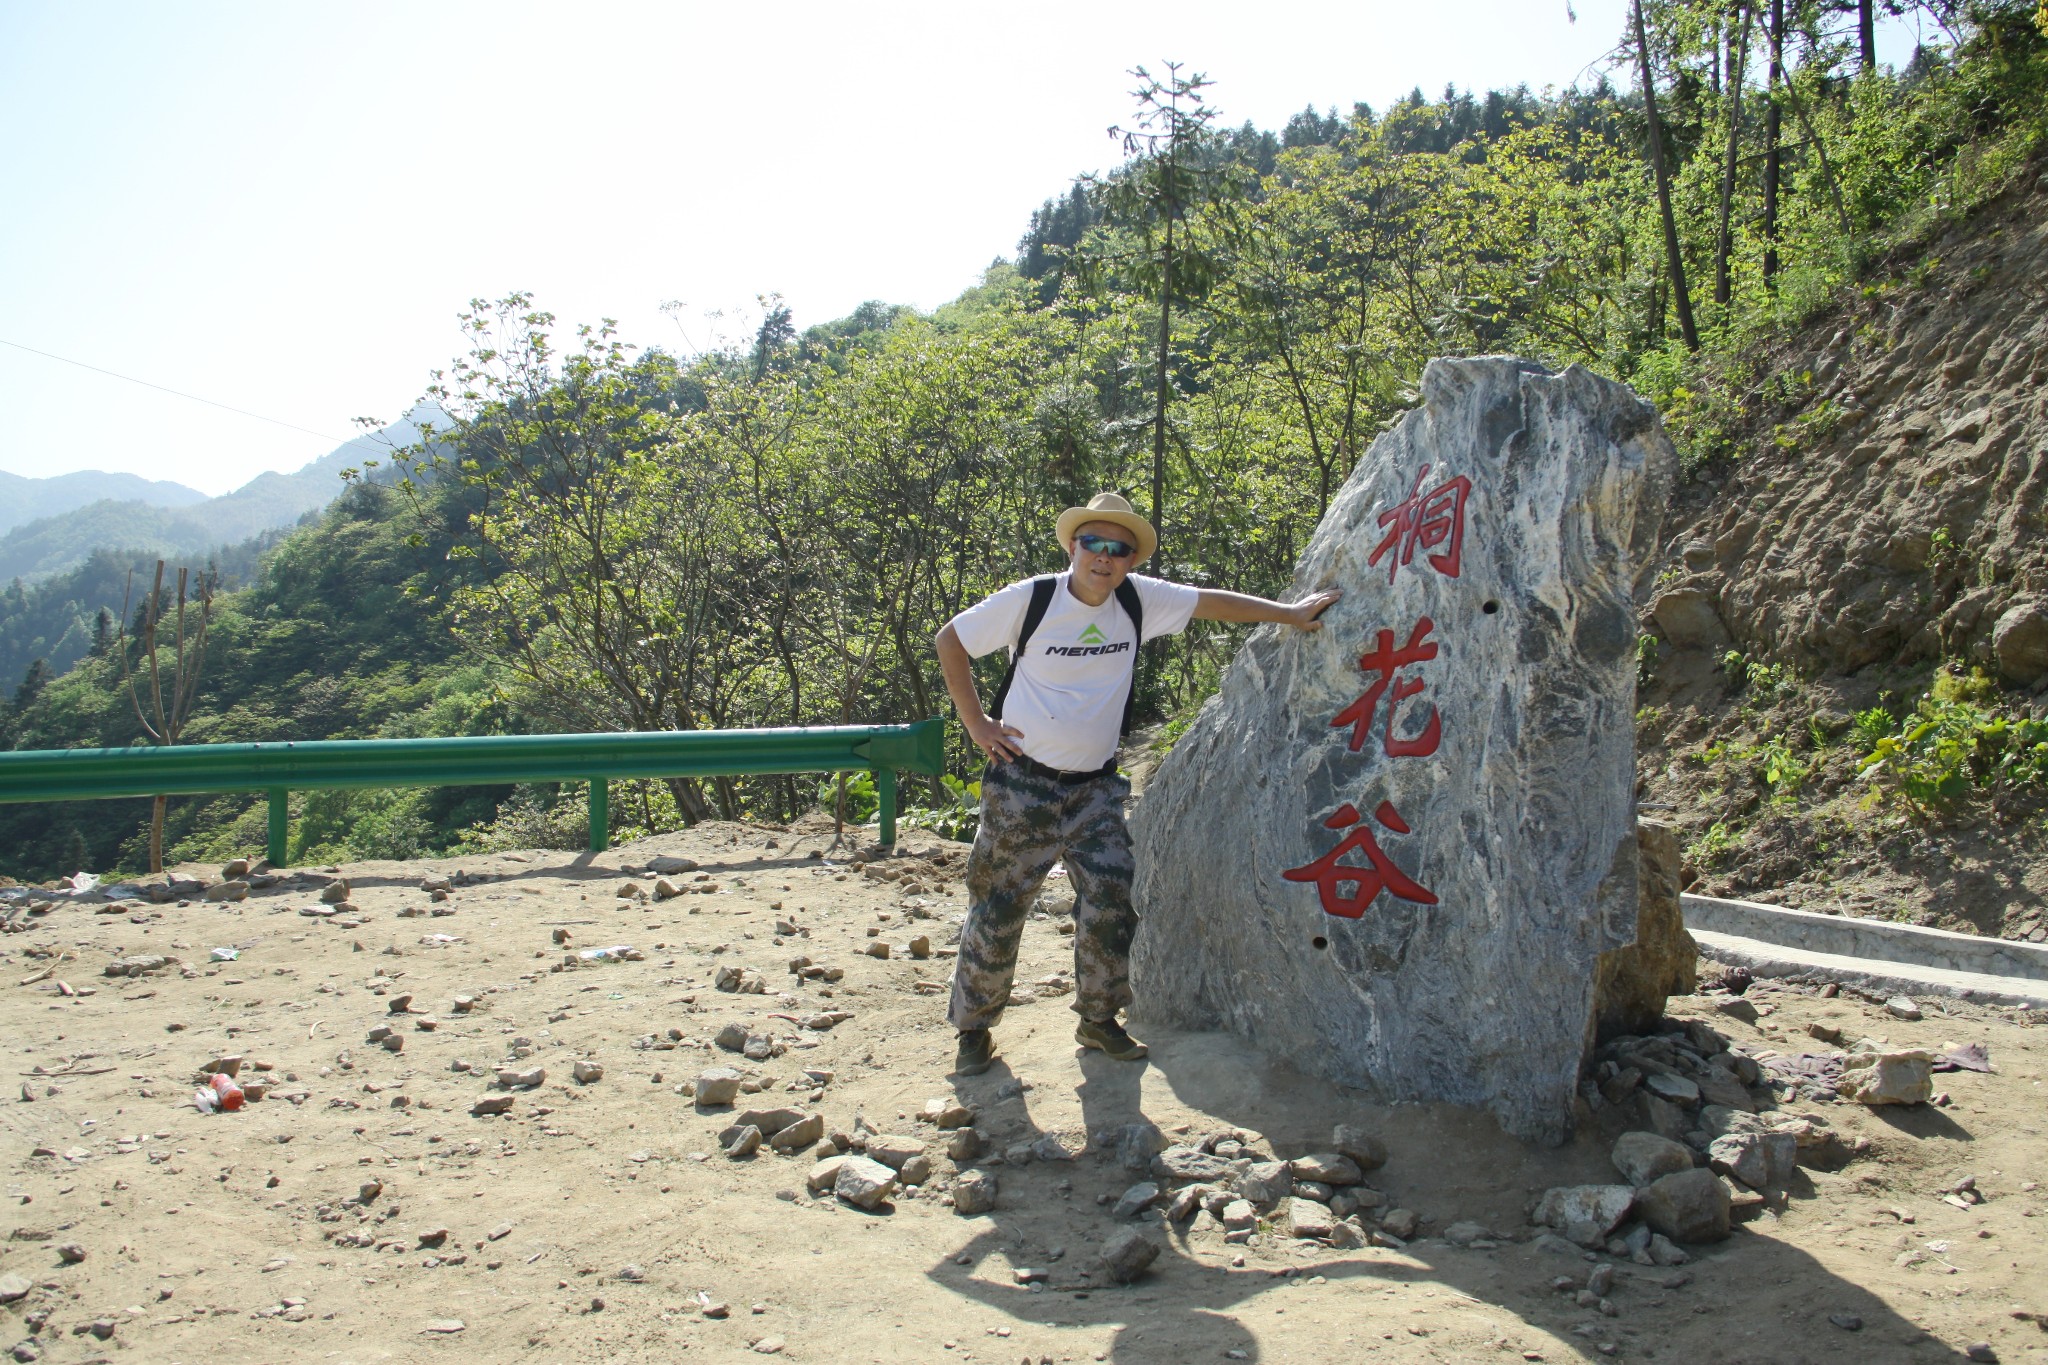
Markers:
(995, 739)
(1306, 612)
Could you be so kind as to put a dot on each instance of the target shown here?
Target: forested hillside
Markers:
(49, 625)
(607, 536)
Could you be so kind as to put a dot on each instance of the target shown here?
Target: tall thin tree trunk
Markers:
(1773, 167)
(1159, 390)
(1737, 59)
(1673, 258)
(689, 797)
(1866, 34)
(1827, 168)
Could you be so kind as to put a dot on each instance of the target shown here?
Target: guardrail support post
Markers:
(280, 824)
(885, 788)
(600, 815)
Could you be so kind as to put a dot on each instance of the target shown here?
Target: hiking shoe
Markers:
(977, 1052)
(1110, 1037)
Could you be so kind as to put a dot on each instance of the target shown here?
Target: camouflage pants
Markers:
(1029, 822)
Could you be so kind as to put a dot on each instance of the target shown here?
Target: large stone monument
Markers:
(1392, 852)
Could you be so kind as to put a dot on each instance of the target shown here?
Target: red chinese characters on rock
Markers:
(1423, 521)
(1369, 881)
(1431, 523)
(1385, 661)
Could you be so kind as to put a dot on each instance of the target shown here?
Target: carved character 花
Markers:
(1386, 661)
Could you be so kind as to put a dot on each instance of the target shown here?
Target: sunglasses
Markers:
(1103, 545)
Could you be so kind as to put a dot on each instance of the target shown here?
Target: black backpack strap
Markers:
(1041, 599)
(1134, 607)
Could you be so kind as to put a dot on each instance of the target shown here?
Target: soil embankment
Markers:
(1877, 536)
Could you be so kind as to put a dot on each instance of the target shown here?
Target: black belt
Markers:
(1037, 769)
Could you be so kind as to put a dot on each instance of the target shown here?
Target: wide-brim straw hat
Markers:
(1112, 508)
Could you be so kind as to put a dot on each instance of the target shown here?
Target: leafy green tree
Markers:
(605, 586)
(1737, 63)
(1311, 292)
(1774, 164)
(1311, 129)
(1167, 181)
(1055, 230)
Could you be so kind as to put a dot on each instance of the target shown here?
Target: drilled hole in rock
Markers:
(1319, 942)
(1490, 608)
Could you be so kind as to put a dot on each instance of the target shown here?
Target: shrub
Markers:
(1870, 726)
(1781, 770)
(1947, 748)
(863, 799)
(959, 819)
(1713, 847)
(535, 818)
(1646, 658)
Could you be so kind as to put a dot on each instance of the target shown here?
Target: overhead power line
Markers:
(179, 393)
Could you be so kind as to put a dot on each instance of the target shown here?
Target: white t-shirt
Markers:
(1068, 695)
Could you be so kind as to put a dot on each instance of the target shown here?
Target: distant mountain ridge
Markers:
(124, 512)
(24, 499)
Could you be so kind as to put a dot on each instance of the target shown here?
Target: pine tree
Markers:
(772, 342)
(1168, 180)
(32, 684)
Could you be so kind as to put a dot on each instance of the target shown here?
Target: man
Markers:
(1051, 791)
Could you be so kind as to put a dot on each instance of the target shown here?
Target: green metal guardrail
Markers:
(279, 769)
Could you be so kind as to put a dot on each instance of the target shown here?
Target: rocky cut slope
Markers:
(1890, 510)
(1871, 559)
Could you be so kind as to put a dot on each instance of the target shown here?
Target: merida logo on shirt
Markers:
(1092, 643)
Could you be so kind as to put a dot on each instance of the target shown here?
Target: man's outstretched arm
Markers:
(1218, 605)
(992, 737)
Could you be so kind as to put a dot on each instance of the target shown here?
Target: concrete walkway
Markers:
(1870, 974)
(1849, 937)
(1872, 955)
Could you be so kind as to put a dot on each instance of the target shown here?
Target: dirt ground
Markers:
(597, 1221)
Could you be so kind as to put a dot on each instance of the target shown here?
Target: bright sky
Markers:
(282, 207)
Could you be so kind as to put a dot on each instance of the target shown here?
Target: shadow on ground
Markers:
(1754, 1298)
